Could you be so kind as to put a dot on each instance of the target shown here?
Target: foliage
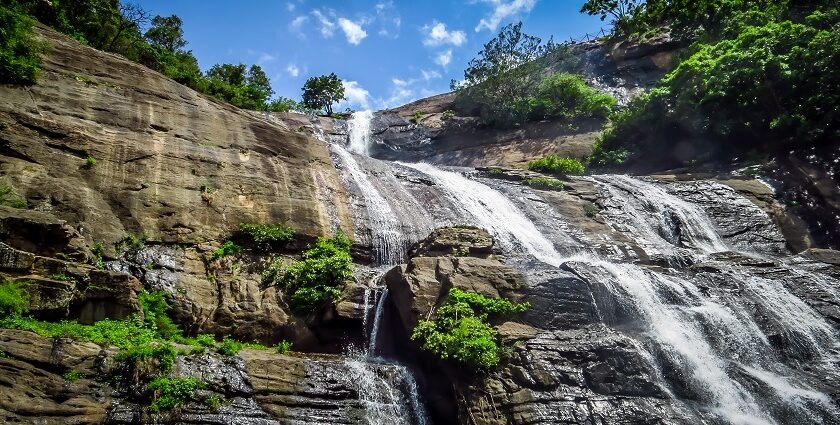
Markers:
(132, 242)
(771, 88)
(19, 60)
(283, 347)
(568, 96)
(214, 402)
(169, 393)
(72, 375)
(554, 164)
(619, 10)
(90, 162)
(266, 237)
(282, 104)
(239, 85)
(460, 328)
(415, 117)
(321, 92)
(205, 340)
(60, 276)
(8, 198)
(448, 114)
(229, 347)
(590, 210)
(98, 255)
(318, 277)
(544, 183)
(155, 310)
(500, 80)
(227, 249)
(166, 33)
(14, 300)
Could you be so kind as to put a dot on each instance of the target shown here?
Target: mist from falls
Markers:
(717, 353)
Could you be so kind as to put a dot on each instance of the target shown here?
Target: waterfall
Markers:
(359, 132)
(716, 348)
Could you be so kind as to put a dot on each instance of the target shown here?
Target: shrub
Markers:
(143, 359)
(155, 310)
(544, 183)
(283, 347)
(8, 198)
(554, 164)
(590, 210)
(229, 347)
(205, 340)
(227, 249)
(90, 162)
(169, 393)
(766, 89)
(460, 328)
(282, 104)
(448, 114)
(318, 277)
(415, 117)
(14, 300)
(19, 60)
(266, 237)
(98, 255)
(214, 402)
(72, 375)
(568, 96)
(60, 276)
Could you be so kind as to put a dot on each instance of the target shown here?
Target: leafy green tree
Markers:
(282, 104)
(19, 60)
(239, 85)
(322, 92)
(166, 33)
(619, 10)
(499, 81)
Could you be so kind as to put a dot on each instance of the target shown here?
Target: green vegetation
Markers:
(61, 276)
(98, 255)
(205, 340)
(132, 242)
(569, 97)
(590, 210)
(547, 183)
(415, 117)
(265, 237)
(115, 26)
(318, 277)
(283, 347)
(554, 164)
(14, 299)
(282, 104)
(321, 92)
(72, 375)
(448, 114)
(460, 329)
(227, 249)
(760, 79)
(155, 309)
(8, 198)
(169, 393)
(214, 402)
(229, 347)
(19, 59)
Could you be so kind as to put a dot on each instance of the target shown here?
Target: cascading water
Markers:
(387, 391)
(720, 351)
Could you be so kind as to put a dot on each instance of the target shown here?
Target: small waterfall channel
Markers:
(387, 391)
(752, 354)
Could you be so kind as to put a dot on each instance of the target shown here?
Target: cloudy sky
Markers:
(388, 52)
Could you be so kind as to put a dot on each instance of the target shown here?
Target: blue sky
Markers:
(388, 52)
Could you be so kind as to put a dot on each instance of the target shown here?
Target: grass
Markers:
(90, 162)
(8, 198)
(556, 165)
(546, 183)
(60, 276)
(415, 118)
(229, 347)
(14, 299)
(72, 375)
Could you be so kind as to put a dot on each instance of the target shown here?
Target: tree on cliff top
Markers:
(166, 32)
(321, 92)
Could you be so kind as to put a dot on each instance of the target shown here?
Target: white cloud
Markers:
(265, 58)
(354, 32)
(443, 58)
(325, 25)
(290, 6)
(502, 10)
(429, 75)
(293, 70)
(437, 34)
(356, 95)
(296, 26)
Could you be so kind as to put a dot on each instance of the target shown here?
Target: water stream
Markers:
(721, 349)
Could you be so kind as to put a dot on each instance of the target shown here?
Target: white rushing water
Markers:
(659, 218)
(495, 213)
(359, 132)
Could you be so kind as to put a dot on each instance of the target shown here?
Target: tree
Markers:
(500, 79)
(166, 33)
(239, 85)
(620, 10)
(321, 92)
(282, 104)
